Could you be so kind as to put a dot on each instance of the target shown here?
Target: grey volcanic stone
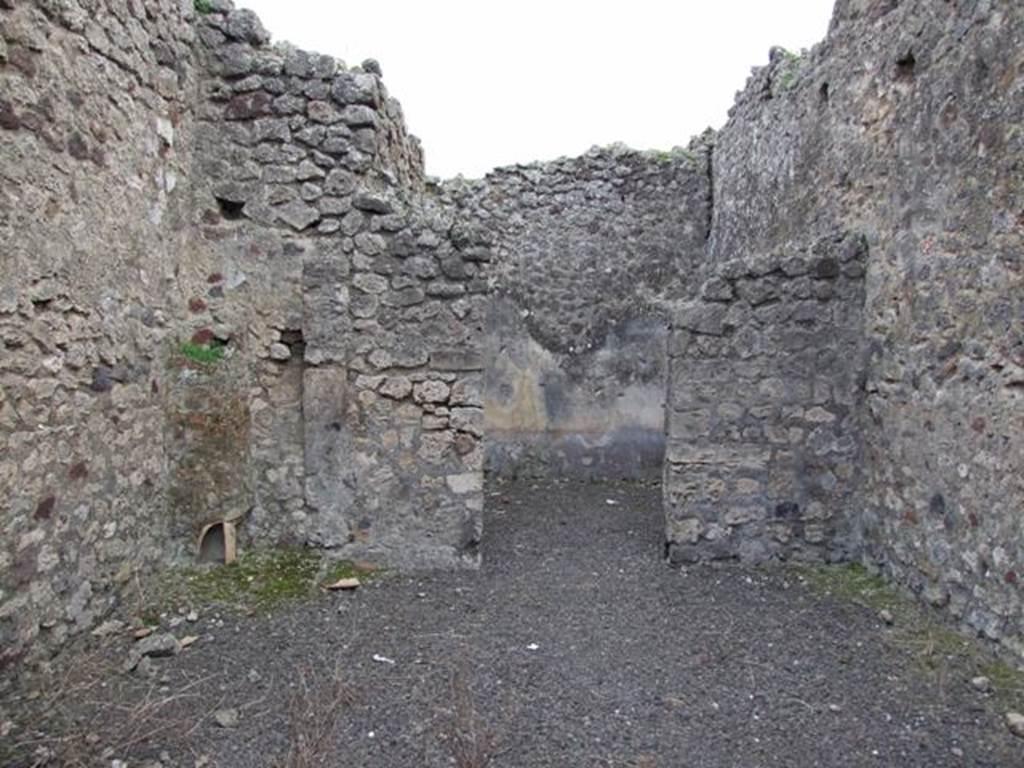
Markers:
(245, 26)
(298, 215)
(372, 204)
(227, 718)
(158, 645)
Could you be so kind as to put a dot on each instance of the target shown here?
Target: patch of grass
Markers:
(203, 6)
(260, 581)
(787, 80)
(347, 569)
(660, 156)
(853, 583)
(207, 354)
(789, 56)
(1007, 682)
(149, 615)
(665, 157)
(789, 72)
(938, 649)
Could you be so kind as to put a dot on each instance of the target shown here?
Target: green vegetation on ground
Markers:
(938, 649)
(259, 581)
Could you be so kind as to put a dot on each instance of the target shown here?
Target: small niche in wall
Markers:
(905, 65)
(230, 210)
(292, 338)
(217, 543)
(291, 347)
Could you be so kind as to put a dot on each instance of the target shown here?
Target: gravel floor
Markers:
(576, 645)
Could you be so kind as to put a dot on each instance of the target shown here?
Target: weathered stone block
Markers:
(469, 420)
(298, 214)
(435, 446)
(431, 392)
(371, 203)
(406, 297)
(396, 387)
(709, 319)
(469, 482)
(456, 360)
(685, 531)
(358, 116)
(467, 391)
(751, 457)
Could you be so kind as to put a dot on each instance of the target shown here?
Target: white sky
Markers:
(485, 84)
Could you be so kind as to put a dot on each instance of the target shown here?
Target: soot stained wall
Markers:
(599, 415)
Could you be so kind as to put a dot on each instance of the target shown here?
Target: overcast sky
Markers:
(485, 84)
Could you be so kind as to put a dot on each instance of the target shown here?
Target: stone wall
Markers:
(223, 299)
(347, 352)
(96, 121)
(944, 448)
(587, 252)
(228, 293)
(765, 371)
(415, 413)
(903, 125)
(277, 167)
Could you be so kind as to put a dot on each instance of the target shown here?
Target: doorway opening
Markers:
(574, 442)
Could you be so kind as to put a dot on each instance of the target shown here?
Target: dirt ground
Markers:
(574, 645)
